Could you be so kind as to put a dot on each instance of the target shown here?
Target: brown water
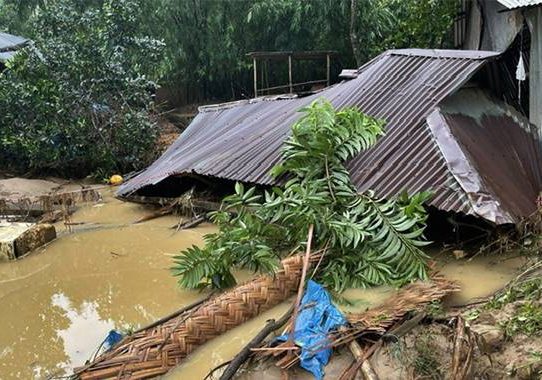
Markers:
(60, 302)
(479, 277)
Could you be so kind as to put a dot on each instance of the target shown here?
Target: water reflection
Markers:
(58, 304)
(86, 330)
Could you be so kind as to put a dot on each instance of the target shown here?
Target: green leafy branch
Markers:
(370, 241)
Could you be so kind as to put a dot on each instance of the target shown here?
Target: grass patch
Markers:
(529, 290)
(526, 320)
(426, 363)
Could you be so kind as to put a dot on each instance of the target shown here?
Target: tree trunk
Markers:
(354, 39)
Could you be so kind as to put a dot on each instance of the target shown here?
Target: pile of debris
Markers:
(155, 350)
(28, 209)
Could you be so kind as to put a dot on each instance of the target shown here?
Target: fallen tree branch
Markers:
(197, 220)
(306, 259)
(157, 214)
(364, 364)
(462, 353)
(359, 363)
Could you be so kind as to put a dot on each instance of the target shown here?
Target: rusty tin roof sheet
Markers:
(242, 140)
(490, 150)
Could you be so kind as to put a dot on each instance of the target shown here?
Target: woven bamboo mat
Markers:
(154, 351)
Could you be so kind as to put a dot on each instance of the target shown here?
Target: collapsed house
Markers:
(445, 132)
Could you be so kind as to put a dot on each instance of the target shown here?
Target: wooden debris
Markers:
(363, 362)
(290, 342)
(167, 210)
(48, 205)
(378, 320)
(144, 354)
(244, 354)
(195, 221)
(459, 254)
(462, 352)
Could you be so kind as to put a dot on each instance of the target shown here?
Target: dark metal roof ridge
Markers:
(443, 53)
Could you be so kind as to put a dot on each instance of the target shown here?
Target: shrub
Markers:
(78, 100)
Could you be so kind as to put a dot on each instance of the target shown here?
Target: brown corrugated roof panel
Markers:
(241, 141)
(491, 152)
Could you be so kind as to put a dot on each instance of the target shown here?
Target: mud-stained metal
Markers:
(242, 141)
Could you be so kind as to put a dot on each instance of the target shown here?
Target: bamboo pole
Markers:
(290, 74)
(255, 77)
(328, 68)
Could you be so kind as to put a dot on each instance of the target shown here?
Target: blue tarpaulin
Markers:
(111, 339)
(317, 317)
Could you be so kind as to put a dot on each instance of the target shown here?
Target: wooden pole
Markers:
(364, 365)
(255, 77)
(328, 67)
(301, 284)
(290, 73)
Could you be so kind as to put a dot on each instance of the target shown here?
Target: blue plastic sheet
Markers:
(317, 317)
(111, 339)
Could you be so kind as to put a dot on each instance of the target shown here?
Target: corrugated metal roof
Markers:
(242, 141)
(10, 42)
(513, 4)
(4, 56)
(490, 150)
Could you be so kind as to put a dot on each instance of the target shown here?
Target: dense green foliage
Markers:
(78, 99)
(207, 46)
(369, 241)
(206, 40)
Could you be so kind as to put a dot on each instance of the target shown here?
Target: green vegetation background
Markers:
(79, 99)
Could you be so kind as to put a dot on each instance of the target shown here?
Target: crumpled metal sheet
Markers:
(483, 203)
(513, 4)
(492, 151)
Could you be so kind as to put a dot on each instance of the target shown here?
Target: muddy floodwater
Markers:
(58, 304)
